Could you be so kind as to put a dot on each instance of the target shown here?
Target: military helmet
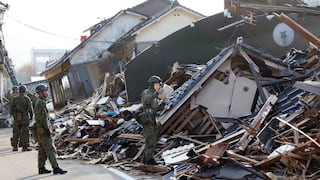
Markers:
(154, 79)
(41, 87)
(22, 88)
(14, 88)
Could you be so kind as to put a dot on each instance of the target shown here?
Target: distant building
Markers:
(40, 57)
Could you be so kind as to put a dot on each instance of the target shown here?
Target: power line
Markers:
(61, 36)
(40, 30)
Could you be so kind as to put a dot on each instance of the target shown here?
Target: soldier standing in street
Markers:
(43, 127)
(22, 112)
(151, 104)
(10, 97)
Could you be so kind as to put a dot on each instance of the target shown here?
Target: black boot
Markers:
(151, 162)
(59, 171)
(43, 170)
(26, 149)
(11, 142)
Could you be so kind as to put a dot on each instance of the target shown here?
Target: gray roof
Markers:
(187, 87)
(141, 25)
(96, 29)
(151, 7)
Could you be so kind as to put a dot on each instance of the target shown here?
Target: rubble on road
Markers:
(279, 139)
(243, 115)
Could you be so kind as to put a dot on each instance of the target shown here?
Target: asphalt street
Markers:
(23, 165)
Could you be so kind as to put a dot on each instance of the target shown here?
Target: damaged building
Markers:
(111, 44)
(245, 111)
(205, 38)
(241, 109)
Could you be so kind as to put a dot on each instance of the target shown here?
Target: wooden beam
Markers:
(242, 158)
(139, 153)
(299, 29)
(276, 158)
(258, 83)
(89, 140)
(189, 139)
(256, 123)
(225, 139)
(285, 122)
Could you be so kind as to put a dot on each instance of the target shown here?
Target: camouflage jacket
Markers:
(21, 108)
(41, 114)
(150, 100)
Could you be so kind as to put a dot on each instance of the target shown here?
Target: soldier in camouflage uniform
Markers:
(10, 97)
(22, 112)
(151, 104)
(43, 127)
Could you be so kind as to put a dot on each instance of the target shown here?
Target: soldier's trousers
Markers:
(46, 151)
(20, 130)
(150, 135)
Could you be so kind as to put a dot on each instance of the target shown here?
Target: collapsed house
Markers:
(231, 115)
(243, 115)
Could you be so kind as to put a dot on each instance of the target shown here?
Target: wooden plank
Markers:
(299, 29)
(207, 123)
(169, 122)
(278, 157)
(307, 136)
(177, 122)
(139, 153)
(256, 123)
(217, 151)
(189, 139)
(136, 137)
(89, 140)
(242, 158)
(189, 117)
(154, 168)
(225, 139)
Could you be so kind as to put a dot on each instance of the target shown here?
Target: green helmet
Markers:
(41, 87)
(154, 79)
(14, 88)
(22, 88)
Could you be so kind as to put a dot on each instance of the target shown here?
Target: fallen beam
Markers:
(256, 123)
(299, 29)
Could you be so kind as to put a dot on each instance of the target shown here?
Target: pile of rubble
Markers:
(243, 115)
(280, 138)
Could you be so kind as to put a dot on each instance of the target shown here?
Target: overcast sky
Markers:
(25, 20)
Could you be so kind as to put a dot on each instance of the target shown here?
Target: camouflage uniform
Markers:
(43, 127)
(32, 128)
(21, 110)
(151, 104)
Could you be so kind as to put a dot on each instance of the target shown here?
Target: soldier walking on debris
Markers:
(151, 104)
(43, 127)
(22, 112)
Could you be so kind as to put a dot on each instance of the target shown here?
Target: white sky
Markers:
(67, 18)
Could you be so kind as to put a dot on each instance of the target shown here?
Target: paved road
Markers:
(23, 165)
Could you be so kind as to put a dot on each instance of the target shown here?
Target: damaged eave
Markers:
(57, 69)
(216, 62)
(276, 64)
(310, 86)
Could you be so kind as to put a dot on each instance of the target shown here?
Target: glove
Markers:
(48, 133)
